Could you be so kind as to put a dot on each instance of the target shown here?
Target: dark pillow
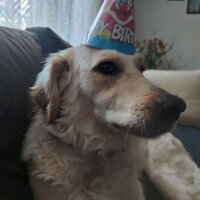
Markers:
(21, 56)
(49, 40)
(20, 61)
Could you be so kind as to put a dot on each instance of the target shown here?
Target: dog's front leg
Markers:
(46, 190)
(171, 169)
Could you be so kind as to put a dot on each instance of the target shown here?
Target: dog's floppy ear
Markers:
(50, 84)
(138, 59)
(39, 96)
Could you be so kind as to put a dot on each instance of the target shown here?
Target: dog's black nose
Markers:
(170, 107)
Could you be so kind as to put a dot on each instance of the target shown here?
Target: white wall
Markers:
(168, 20)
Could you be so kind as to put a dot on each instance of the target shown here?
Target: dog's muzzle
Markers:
(166, 112)
(162, 116)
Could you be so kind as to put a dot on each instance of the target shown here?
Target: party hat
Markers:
(114, 27)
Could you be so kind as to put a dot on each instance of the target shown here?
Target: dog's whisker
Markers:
(144, 127)
(126, 137)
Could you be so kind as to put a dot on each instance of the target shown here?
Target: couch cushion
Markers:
(21, 53)
(19, 64)
(185, 84)
(20, 60)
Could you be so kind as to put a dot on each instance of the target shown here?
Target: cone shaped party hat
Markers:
(114, 27)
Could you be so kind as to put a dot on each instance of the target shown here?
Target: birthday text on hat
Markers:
(119, 33)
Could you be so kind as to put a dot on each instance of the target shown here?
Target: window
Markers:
(71, 19)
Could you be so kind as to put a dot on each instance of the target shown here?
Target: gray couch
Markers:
(21, 56)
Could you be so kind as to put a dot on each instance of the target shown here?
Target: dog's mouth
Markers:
(146, 129)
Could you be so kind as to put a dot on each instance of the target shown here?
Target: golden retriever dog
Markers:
(94, 106)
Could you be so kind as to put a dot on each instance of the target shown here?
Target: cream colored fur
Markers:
(172, 170)
(74, 149)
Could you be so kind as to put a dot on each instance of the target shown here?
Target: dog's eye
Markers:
(107, 68)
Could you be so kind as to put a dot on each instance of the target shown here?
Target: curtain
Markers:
(71, 19)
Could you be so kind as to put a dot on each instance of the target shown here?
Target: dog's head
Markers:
(84, 85)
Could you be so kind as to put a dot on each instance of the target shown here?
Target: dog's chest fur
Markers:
(116, 176)
(89, 175)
